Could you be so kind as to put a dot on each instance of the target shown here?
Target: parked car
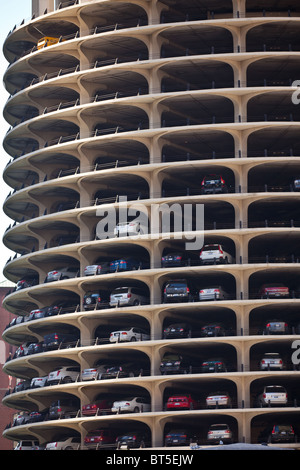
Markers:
(177, 290)
(95, 300)
(131, 405)
(35, 348)
(129, 334)
(125, 264)
(96, 269)
(60, 307)
(177, 259)
(23, 349)
(212, 330)
(278, 433)
(296, 185)
(213, 293)
(26, 444)
(37, 382)
(219, 432)
(178, 330)
(271, 361)
(182, 402)
(62, 273)
(58, 340)
(64, 408)
(276, 327)
(126, 296)
(212, 184)
(134, 439)
(99, 407)
(66, 443)
(218, 399)
(38, 416)
(93, 373)
(273, 290)
(22, 385)
(273, 395)
(100, 438)
(38, 313)
(63, 374)
(132, 228)
(115, 372)
(28, 281)
(214, 254)
(213, 365)
(21, 418)
(180, 437)
(174, 364)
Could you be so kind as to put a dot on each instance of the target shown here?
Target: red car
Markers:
(275, 290)
(182, 402)
(100, 437)
(98, 408)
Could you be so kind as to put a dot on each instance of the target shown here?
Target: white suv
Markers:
(273, 395)
(214, 254)
(66, 374)
(62, 273)
(218, 433)
(129, 334)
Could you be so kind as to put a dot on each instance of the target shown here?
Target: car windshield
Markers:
(210, 247)
(171, 357)
(274, 389)
(121, 290)
(177, 284)
(218, 427)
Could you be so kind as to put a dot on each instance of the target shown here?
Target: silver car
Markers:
(218, 433)
(133, 228)
(271, 361)
(62, 273)
(95, 269)
(125, 296)
(131, 405)
(213, 293)
(218, 399)
(93, 373)
(37, 382)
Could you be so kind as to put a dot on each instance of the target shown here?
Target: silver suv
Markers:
(125, 296)
(273, 395)
(219, 433)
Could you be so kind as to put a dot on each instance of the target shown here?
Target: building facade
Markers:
(182, 116)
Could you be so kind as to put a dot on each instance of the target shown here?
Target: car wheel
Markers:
(67, 380)
(136, 409)
(131, 374)
(68, 448)
(142, 445)
(136, 302)
(133, 338)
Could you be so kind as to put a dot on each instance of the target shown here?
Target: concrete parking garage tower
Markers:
(135, 104)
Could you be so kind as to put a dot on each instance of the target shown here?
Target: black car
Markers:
(115, 372)
(173, 260)
(212, 330)
(58, 308)
(212, 184)
(180, 437)
(177, 290)
(174, 364)
(35, 348)
(134, 439)
(178, 330)
(38, 416)
(58, 340)
(95, 300)
(22, 385)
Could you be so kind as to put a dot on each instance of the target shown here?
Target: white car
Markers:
(218, 399)
(218, 433)
(129, 334)
(68, 443)
(63, 375)
(133, 228)
(37, 382)
(213, 293)
(131, 405)
(93, 373)
(95, 269)
(26, 445)
(214, 254)
(273, 395)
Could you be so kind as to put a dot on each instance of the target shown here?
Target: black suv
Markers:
(95, 300)
(212, 184)
(178, 330)
(177, 290)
